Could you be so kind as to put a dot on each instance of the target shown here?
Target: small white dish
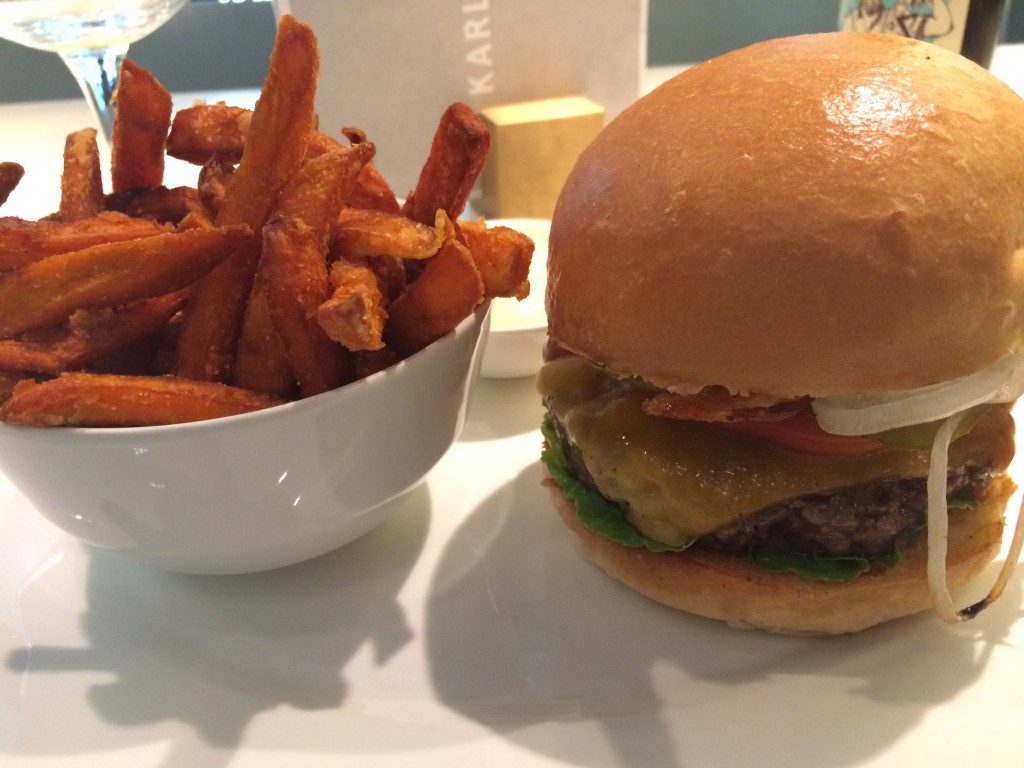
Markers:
(261, 490)
(515, 343)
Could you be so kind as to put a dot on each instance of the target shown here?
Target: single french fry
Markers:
(503, 257)
(90, 335)
(321, 144)
(281, 122)
(23, 242)
(261, 362)
(47, 291)
(458, 152)
(142, 118)
(371, 190)
(274, 147)
(206, 132)
(81, 182)
(361, 232)
(10, 175)
(296, 283)
(320, 187)
(354, 315)
(209, 331)
(109, 400)
(441, 297)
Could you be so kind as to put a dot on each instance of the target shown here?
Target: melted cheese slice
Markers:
(684, 479)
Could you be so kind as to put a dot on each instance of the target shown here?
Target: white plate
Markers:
(465, 631)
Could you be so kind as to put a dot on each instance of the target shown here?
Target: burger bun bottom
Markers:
(732, 589)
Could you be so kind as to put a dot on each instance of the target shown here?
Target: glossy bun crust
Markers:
(814, 215)
(731, 589)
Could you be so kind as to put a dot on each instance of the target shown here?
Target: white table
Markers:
(463, 632)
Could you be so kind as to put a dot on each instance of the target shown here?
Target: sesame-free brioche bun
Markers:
(729, 588)
(808, 217)
(816, 215)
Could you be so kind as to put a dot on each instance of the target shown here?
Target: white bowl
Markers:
(261, 490)
(515, 343)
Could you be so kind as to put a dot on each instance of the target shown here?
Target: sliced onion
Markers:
(938, 522)
(938, 536)
(1001, 382)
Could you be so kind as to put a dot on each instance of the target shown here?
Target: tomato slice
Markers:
(801, 433)
(787, 424)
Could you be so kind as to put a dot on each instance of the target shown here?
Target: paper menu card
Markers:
(390, 67)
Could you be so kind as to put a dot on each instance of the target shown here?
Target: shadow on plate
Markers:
(214, 653)
(527, 639)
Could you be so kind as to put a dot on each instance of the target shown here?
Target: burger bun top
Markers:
(816, 215)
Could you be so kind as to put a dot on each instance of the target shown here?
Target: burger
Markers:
(786, 326)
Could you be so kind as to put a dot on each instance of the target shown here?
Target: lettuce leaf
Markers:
(817, 567)
(825, 567)
(597, 513)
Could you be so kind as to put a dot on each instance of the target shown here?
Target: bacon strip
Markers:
(716, 404)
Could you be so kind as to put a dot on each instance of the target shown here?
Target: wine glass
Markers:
(91, 37)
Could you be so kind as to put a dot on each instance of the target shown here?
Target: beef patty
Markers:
(858, 520)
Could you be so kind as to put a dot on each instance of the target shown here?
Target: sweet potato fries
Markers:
(289, 268)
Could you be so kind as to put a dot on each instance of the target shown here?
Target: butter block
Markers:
(534, 145)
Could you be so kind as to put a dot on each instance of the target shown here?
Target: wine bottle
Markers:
(981, 30)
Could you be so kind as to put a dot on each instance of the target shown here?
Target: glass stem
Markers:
(96, 72)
